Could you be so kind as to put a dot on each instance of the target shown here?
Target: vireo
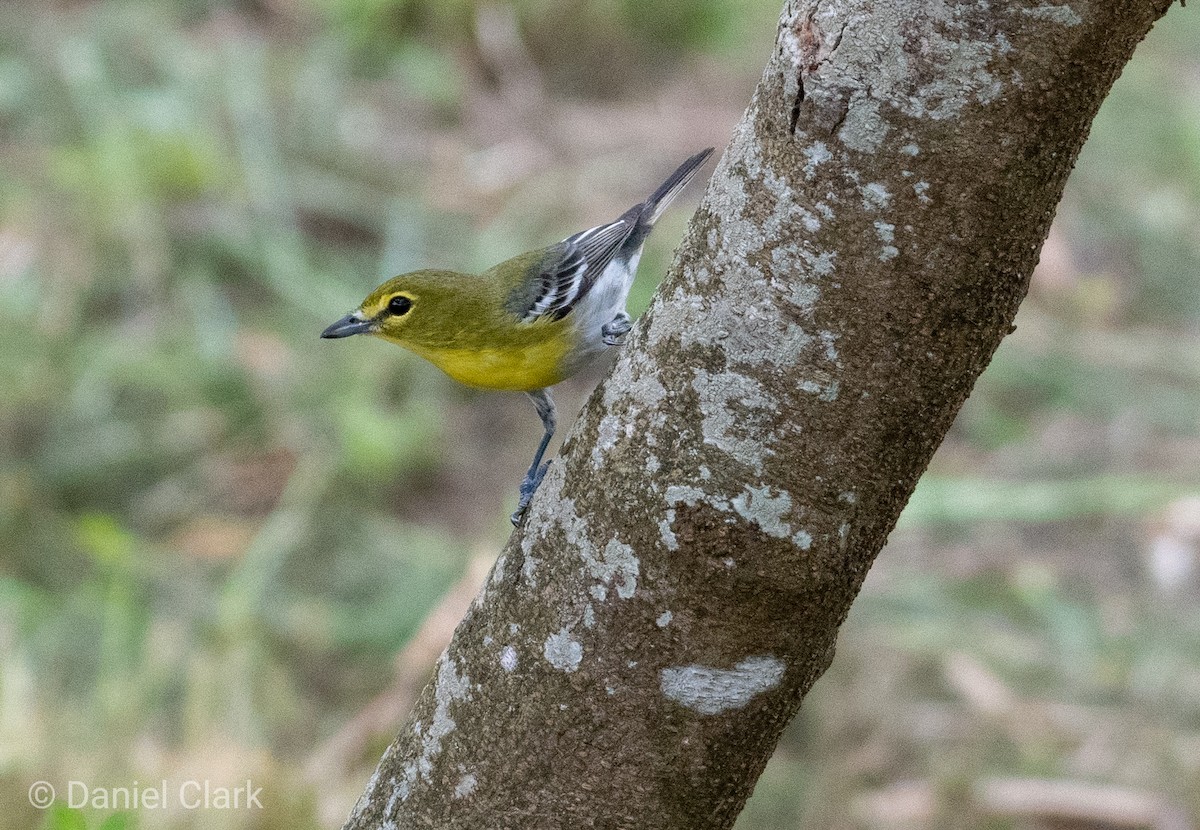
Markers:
(527, 323)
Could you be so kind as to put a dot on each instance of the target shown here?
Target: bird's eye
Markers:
(399, 305)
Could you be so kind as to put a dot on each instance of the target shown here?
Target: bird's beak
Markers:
(353, 323)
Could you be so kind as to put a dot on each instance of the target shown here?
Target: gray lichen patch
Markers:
(613, 566)
(771, 510)
(529, 570)
(669, 539)
(765, 510)
(883, 64)
(611, 427)
(691, 496)
(633, 389)
(611, 570)
(508, 659)
(616, 566)
(465, 786)
(864, 127)
(1061, 14)
(875, 196)
(449, 687)
(761, 254)
(399, 793)
(886, 232)
(712, 691)
(369, 794)
(768, 511)
(731, 404)
(815, 155)
(562, 651)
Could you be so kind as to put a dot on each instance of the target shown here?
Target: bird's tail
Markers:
(653, 207)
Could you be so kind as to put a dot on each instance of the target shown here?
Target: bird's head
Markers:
(407, 309)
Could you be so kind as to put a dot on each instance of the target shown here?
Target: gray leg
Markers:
(614, 330)
(537, 470)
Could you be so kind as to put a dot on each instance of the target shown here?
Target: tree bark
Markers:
(679, 581)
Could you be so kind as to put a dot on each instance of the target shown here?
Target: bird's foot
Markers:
(528, 488)
(613, 332)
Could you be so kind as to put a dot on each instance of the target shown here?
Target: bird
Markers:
(528, 323)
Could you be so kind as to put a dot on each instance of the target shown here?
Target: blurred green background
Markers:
(222, 539)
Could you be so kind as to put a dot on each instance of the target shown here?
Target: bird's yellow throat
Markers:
(516, 368)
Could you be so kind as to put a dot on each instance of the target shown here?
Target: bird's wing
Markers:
(571, 267)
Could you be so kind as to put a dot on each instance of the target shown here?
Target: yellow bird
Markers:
(527, 323)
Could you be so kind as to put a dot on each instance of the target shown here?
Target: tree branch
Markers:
(678, 586)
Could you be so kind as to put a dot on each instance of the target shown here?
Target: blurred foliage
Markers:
(572, 40)
(65, 818)
(218, 530)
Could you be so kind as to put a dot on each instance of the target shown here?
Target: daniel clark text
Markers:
(186, 795)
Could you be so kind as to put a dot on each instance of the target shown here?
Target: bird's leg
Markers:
(537, 470)
(614, 330)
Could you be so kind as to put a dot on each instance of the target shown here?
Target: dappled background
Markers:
(231, 550)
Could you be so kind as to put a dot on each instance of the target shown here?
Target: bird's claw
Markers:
(613, 332)
(528, 488)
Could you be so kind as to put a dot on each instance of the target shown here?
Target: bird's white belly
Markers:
(603, 302)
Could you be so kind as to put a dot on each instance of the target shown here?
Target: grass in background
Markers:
(217, 531)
